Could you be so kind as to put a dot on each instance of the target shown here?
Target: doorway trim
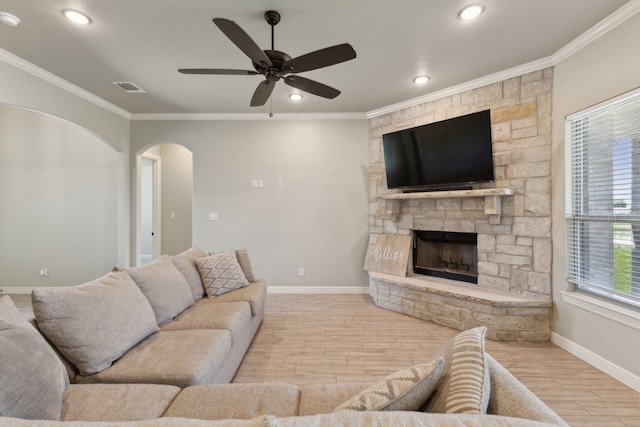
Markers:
(156, 206)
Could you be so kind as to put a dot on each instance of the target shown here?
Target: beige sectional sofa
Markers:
(122, 355)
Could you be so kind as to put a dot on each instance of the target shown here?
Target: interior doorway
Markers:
(164, 201)
(150, 212)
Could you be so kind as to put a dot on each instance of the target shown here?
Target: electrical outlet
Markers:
(213, 216)
(301, 272)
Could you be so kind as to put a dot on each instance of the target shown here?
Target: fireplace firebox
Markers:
(446, 254)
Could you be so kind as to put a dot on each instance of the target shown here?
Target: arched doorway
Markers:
(165, 201)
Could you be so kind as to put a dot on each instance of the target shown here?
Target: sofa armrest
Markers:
(509, 397)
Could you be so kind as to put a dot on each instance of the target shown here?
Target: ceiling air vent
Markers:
(129, 87)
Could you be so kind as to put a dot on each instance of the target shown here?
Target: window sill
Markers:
(614, 312)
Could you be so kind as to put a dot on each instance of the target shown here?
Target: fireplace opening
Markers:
(446, 254)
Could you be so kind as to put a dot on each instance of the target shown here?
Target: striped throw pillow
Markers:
(464, 386)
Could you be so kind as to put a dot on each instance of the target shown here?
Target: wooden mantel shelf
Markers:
(492, 199)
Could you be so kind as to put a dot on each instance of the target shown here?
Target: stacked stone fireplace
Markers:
(513, 253)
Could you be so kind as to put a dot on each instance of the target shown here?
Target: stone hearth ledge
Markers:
(508, 317)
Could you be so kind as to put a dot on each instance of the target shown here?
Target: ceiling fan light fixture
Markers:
(77, 17)
(9, 19)
(471, 12)
(420, 80)
(296, 96)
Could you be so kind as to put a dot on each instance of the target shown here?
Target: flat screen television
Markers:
(449, 154)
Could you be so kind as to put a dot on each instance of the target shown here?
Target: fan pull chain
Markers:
(270, 107)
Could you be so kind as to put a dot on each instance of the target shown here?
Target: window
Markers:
(603, 199)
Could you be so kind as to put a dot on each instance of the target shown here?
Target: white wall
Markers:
(317, 220)
(606, 68)
(59, 192)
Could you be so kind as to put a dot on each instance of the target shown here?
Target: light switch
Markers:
(260, 183)
(213, 216)
(254, 183)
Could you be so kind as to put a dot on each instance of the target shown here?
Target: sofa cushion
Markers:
(221, 401)
(10, 313)
(221, 273)
(185, 262)
(244, 260)
(116, 402)
(95, 323)
(232, 316)
(33, 378)
(404, 390)
(164, 286)
(465, 385)
(180, 358)
(254, 294)
(324, 398)
(245, 264)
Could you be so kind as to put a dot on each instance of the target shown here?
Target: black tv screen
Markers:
(445, 154)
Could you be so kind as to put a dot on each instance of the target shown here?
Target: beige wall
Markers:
(316, 220)
(606, 68)
(60, 198)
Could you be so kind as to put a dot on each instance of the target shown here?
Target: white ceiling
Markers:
(146, 41)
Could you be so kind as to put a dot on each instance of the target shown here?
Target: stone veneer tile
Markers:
(514, 255)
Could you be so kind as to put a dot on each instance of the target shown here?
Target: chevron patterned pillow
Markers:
(221, 273)
(405, 390)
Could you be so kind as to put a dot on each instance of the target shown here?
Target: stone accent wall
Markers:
(515, 255)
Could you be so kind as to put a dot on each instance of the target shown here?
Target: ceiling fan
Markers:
(275, 65)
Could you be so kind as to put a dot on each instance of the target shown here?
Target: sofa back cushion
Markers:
(185, 262)
(164, 286)
(33, 377)
(95, 323)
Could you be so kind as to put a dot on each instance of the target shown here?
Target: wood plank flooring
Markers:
(346, 338)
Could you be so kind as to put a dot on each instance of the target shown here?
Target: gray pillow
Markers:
(242, 256)
(404, 390)
(164, 286)
(33, 377)
(95, 323)
(185, 262)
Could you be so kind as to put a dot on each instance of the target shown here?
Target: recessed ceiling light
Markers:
(471, 12)
(295, 96)
(9, 19)
(421, 80)
(77, 17)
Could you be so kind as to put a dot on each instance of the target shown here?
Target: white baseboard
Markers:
(317, 290)
(625, 377)
(15, 290)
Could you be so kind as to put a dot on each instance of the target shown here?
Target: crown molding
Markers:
(470, 85)
(586, 38)
(597, 31)
(249, 116)
(610, 22)
(48, 77)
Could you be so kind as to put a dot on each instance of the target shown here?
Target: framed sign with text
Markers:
(388, 253)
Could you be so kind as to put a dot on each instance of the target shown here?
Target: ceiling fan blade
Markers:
(321, 58)
(312, 86)
(217, 71)
(243, 41)
(262, 93)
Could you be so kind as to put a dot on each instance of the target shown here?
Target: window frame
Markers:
(576, 192)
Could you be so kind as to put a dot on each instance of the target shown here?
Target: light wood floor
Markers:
(346, 338)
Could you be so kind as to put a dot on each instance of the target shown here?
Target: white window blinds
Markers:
(603, 198)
